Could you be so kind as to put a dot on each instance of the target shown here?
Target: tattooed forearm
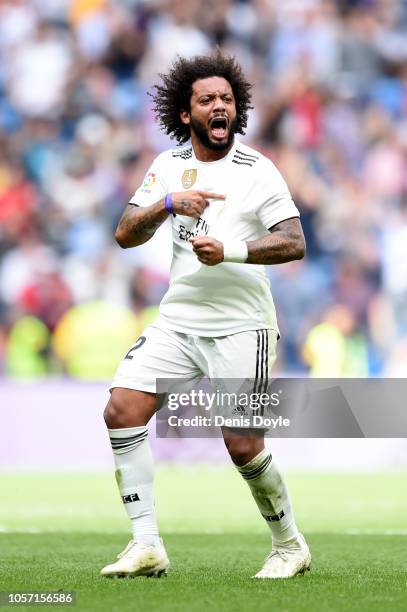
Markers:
(138, 225)
(141, 222)
(284, 243)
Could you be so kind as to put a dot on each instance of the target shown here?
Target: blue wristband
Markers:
(168, 204)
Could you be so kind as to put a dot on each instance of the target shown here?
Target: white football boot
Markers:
(137, 559)
(288, 560)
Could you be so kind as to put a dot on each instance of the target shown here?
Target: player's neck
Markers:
(204, 154)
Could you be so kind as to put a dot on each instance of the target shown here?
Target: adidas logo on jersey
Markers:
(244, 159)
(183, 153)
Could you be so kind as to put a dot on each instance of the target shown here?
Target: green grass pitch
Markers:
(56, 531)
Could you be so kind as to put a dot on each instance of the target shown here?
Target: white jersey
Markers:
(230, 297)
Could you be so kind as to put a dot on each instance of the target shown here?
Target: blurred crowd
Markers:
(77, 134)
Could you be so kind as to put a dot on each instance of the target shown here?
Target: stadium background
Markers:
(76, 137)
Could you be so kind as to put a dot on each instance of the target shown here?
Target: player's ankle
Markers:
(147, 539)
(291, 542)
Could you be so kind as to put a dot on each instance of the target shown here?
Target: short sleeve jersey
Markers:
(230, 297)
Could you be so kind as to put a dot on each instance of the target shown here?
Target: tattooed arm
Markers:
(138, 224)
(285, 242)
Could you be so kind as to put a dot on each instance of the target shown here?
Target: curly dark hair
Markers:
(174, 95)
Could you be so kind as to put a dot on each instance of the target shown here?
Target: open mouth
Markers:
(219, 128)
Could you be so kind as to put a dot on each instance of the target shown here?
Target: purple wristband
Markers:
(168, 204)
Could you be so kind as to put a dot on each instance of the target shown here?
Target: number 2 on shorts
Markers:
(136, 346)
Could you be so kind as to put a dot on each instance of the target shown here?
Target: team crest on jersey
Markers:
(149, 182)
(189, 178)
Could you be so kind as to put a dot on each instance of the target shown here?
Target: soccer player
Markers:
(231, 213)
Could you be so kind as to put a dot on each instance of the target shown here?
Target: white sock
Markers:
(270, 493)
(135, 477)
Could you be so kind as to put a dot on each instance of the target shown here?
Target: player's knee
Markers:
(116, 413)
(242, 449)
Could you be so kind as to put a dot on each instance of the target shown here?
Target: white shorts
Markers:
(162, 353)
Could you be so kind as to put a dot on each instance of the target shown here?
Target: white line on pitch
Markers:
(354, 532)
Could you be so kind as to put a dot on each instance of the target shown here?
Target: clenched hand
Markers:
(208, 250)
